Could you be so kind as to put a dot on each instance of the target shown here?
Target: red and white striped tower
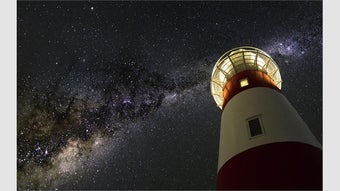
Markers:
(264, 143)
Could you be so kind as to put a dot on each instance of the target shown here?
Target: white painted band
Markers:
(279, 119)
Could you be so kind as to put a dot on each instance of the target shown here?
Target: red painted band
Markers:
(255, 78)
(279, 166)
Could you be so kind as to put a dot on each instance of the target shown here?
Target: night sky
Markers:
(116, 95)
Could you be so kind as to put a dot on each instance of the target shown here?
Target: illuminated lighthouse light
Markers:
(238, 60)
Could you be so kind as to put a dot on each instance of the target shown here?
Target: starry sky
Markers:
(116, 95)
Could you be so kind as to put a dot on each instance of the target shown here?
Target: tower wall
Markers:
(282, 154)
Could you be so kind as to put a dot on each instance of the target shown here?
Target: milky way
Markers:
(115, 95)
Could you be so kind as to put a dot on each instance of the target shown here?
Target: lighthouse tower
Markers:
(264, 143)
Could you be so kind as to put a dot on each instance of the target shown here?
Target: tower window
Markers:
(255, 127)
(244, 82)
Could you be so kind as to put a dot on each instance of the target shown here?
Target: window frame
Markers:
(259, 117)
(244, 79)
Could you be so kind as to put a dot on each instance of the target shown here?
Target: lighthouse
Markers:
(264, 143)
